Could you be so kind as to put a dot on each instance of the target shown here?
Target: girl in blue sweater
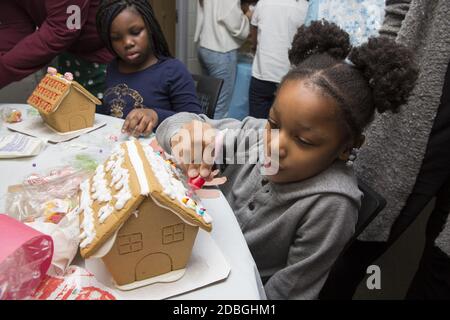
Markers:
(145, 84)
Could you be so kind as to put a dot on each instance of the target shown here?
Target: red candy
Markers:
(196, 183)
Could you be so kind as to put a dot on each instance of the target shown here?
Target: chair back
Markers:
(337, 284)
(372, 203)
(208, 91)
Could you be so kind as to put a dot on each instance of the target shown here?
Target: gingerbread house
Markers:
(139, 216)
(63, 103)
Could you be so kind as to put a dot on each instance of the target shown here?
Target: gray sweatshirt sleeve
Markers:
(395, 13)
(321, 236)
(171, 125)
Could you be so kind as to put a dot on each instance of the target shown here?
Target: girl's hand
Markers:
(193, 147)
(140, 122)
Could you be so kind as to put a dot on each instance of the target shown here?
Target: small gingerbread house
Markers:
(63, 103)
(138, 215)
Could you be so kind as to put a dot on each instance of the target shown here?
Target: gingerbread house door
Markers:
(152, 265)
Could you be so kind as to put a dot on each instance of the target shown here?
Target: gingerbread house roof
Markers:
(51, 91)
(133, 171)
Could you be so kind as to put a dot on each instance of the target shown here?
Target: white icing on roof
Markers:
(88, 225)
(138, 166)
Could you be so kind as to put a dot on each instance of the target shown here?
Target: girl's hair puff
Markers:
(110, 9)
(379, 74)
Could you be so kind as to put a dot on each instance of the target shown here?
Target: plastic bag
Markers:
(45, 197)
(43, 202)
(11, 115)
(75, 284)
(25, 256)
(65, 236)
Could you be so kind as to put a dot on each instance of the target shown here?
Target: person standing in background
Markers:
(221, 29)
(273, 26)
(33, 33)
(407, 160)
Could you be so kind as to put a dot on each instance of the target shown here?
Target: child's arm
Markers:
(181, 91)
(326, 229)
(236, 133)
(170, 126)
(254, 37)
(254, 28)
(37, 49)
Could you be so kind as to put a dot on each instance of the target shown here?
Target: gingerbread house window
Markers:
(130, 243)
(173, 233)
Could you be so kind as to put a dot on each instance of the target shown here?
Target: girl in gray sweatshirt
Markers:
(297, 201)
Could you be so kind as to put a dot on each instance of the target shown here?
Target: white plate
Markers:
(36, 127)
(206, 265)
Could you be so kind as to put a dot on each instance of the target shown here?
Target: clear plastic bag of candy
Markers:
(11, 115)
(25, 256)
(45, 196)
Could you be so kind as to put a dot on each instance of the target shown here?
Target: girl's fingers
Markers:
(205, 170)
(149, 128)
(132, 121)
(141, 126)
(196, 150)
(208, 157)
(126, 124)
(193, 170)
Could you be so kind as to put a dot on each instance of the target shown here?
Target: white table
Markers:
(243, 281)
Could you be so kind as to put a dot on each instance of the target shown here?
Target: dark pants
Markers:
(261, 96)
(432, 279)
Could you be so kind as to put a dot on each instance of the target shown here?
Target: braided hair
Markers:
(110, 9)
(378, 75)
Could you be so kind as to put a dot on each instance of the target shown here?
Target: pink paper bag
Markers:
(25, 256)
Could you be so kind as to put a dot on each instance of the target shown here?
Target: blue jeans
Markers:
(222, 66)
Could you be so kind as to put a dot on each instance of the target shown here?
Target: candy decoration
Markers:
(52, 71)
(201, 211)
(189, 203)
(35, 179)
(113, 138)
(196, 183)
(55, 217)
(13, 116)
(68, 76)
(171, 163)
